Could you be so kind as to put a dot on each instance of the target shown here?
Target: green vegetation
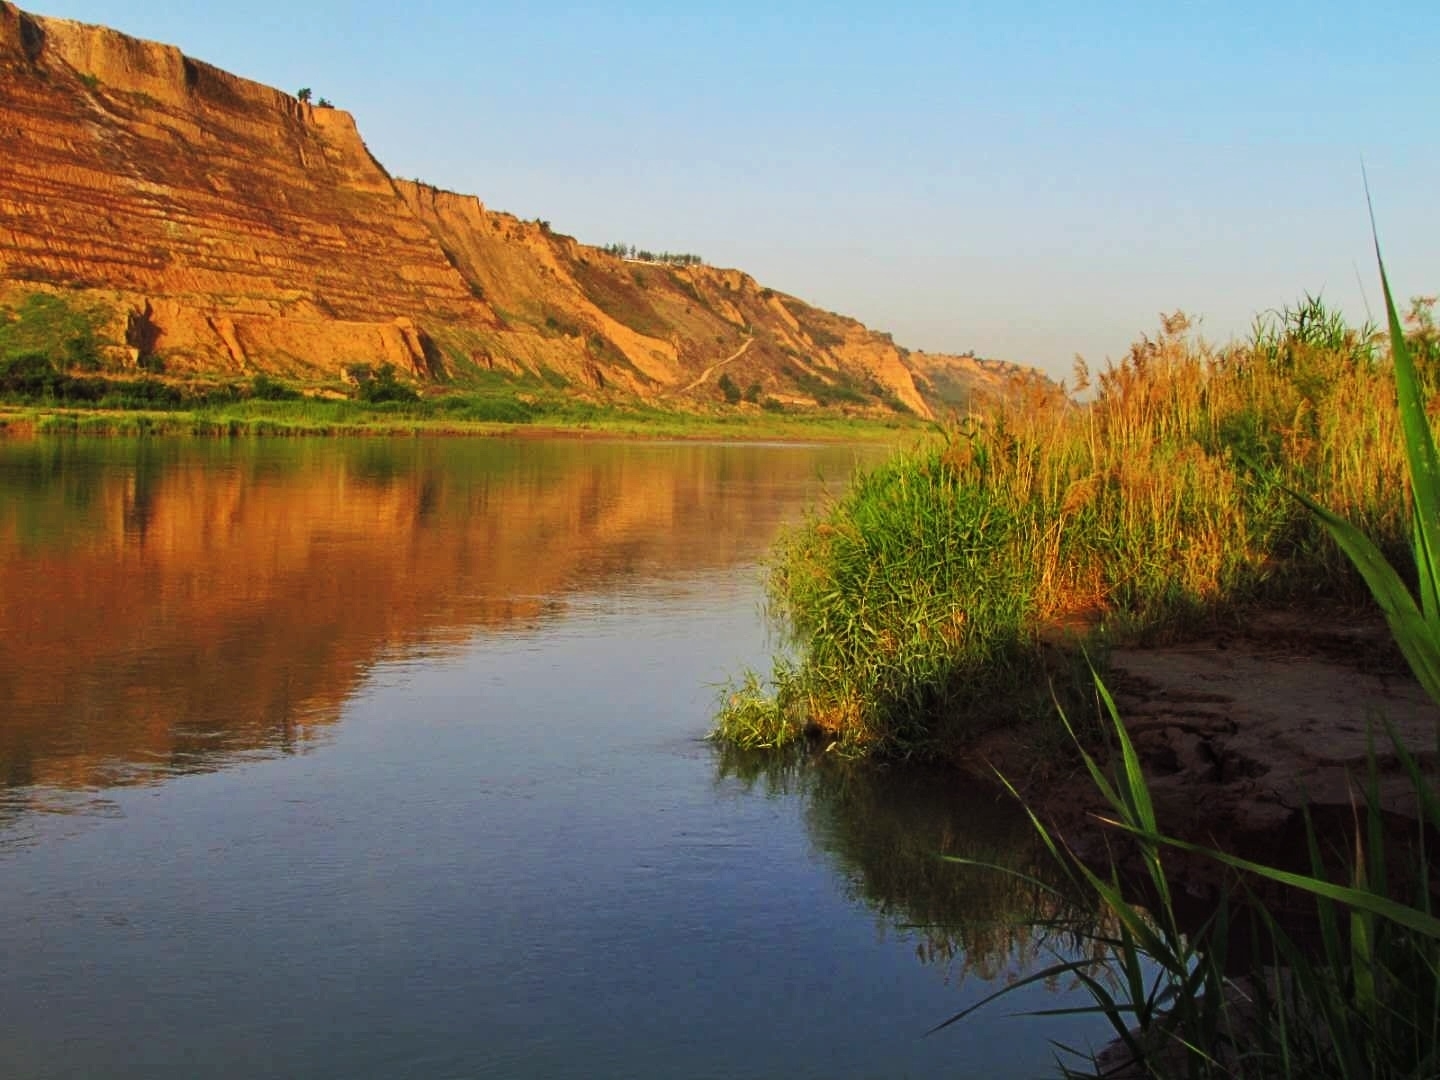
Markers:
(1365, 1000)
(264, 388)
(1174, 496)
(842, 391)
(57, 374)
(33, 378)
(670, 258)
(1361, 1000)
(924, 602)
(729, 389)
(48, 401)
(64, 334)
(623, 300)
(382, 387)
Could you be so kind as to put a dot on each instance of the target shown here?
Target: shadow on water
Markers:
(885, 830)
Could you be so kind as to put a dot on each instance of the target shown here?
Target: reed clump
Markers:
(1363, 998)
(924, 604)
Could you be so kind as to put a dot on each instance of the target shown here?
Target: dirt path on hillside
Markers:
(717, 366)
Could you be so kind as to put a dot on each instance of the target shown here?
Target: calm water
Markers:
(382, 759)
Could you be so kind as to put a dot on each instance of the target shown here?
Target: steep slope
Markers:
(659, 330)
(239, 225)
(956, 383)
(226, 227)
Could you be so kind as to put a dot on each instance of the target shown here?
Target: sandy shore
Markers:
(1240, 730)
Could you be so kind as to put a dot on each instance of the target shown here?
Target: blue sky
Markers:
(1028, 181)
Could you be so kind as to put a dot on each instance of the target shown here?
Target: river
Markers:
(385, 758)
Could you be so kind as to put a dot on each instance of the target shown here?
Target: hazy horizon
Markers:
(1028, 186)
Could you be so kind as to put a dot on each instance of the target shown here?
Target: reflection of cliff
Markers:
(166, 605)
(885, 831)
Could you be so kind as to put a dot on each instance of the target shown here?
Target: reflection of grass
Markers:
(885, 832)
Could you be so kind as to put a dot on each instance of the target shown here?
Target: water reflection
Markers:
(884, 830)
(171, 605)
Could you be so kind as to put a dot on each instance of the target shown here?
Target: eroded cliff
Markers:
(225, 227)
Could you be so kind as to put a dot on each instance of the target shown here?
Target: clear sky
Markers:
(1030, 181)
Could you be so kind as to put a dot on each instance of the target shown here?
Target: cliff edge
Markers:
(225, 227)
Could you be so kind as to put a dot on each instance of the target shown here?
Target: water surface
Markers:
(385, 758)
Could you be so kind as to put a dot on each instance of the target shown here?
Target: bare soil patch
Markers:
(1242, 729)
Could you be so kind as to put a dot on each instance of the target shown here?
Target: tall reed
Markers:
(922, 603)
(1366, 1001)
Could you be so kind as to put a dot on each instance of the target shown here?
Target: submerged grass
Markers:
(925, 603)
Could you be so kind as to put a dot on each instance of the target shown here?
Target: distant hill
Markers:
(956, 383)
(219, 226)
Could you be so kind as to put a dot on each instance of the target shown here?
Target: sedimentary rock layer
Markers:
(226, 227)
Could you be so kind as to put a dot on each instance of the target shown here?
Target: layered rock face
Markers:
(227, 227)
(240, 226)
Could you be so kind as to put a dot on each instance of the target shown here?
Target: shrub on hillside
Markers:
(383, 386)
(729, 390)
(264, 388)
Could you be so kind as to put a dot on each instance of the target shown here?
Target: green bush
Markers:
(486, 409)
(264, 388)
(60, 330)
(383, 386)
(29, 375)
(729, 389)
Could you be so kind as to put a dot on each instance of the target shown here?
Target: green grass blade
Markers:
(1065, 968)
(1419, 438)
(1407, 623)
(1424, 789)
(1398, 913)
(1010, 872)
(1136, 791)
(1425, 556)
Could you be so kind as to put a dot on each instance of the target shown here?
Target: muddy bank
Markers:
(1239, 730)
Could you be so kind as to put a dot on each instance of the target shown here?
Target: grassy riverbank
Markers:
(59, 373)
(264, 407)
(924, 604)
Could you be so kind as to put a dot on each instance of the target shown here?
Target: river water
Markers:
(386, 759)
